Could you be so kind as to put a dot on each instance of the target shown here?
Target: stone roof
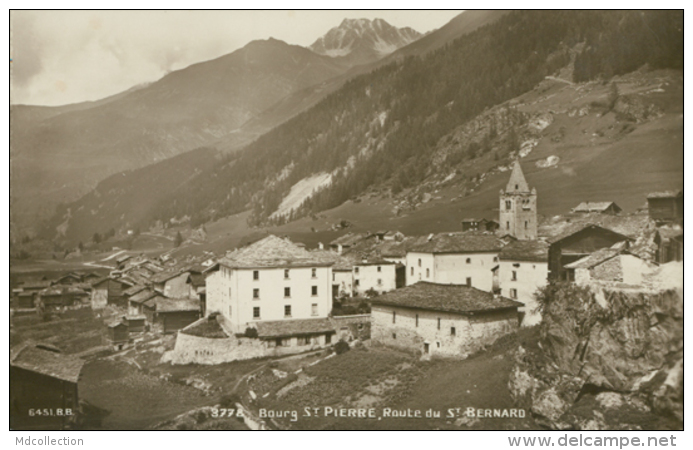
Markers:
(297, 327)
(349, 239)
(47, 362)
(197, 280)
(177, 304)
(460, 242)
(666, 194)
(594, 259)
(536, 251)
(451, 298)
(163, 277)
(273, 251)
(517, 178)
(143, 296)
(559, 227)
(134, 289)
(595, 206)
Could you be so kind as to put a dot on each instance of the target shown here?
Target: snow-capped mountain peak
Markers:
(363, 40)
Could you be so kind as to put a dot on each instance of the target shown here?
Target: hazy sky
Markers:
(61, 57)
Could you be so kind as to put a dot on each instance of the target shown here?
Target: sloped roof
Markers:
(273, 251)
(536, 251)
(143, 296)
(298, 327)
(196, 280)
(163, 277)
(595, 206)
(177, 304)
(459, 242)
(349, 239)
(36, 284)
(517, 178)
(452, 298)
(578, 227)
(666, 194)
(595, 258)
(134, 289)
(46, 362)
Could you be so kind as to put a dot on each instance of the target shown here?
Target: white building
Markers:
(379, 275)
(524, 268)
(455, 258)
(441, 320)
(271, 280)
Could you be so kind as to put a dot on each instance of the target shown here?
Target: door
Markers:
(426, 348)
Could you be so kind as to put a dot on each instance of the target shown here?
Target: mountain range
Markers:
(445, 112)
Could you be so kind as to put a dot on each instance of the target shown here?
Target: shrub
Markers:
(250, 332)
(229, 401)
(341, 347)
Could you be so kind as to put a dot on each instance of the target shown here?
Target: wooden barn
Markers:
(598, 207)
(479, 225)
(136, 324)
(108, 291)
(666, 207)
(42, 377)
(176, 313)
(118, 333)
(24, 300)
(577, 243)
(669, 241)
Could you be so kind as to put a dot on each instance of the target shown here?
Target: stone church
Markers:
(518, 207)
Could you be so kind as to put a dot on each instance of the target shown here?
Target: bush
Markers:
(250, 332)
(341, 347)
(229, 401)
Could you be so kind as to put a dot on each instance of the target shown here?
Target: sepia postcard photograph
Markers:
(347, 220)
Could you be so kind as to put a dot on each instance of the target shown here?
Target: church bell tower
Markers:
(518, 207)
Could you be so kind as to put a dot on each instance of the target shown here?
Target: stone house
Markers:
(174, 314)
(609, 265)
(474, 224)
(523, 268)
(173, 284)
(441, 319)
(454, 258)
(43, 377)
(271, 280)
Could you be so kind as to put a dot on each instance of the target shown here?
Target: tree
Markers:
(80, 246)
(178, 240)
(613, 96)
(96, 238)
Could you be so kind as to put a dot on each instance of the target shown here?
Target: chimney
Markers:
(339, 248)
(321, 246)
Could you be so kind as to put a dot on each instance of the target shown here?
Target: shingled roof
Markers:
(47, 362)
(665, 194)
(596, 207)
(595, 258)
(536, 251)
(273, 251)
(517, 182)
(451, 298)
(459, 243)
(559, 227)
(177, 304)
(299, 327)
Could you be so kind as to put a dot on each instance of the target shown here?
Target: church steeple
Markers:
(517, 182)
(518, 207)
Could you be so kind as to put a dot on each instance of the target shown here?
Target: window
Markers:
(514, 278)
(328, 338)
(256, 274)
(287, 310)
(394, 335)
(287, 292)
(412, 271)
(517, 186)
(439, 323)
(379, 269)
(437, 344)
(278, 342)
(513, 293)
(286, 274)
(469, 281)
(305, 341)
(314, 309)
(333, 276)
(417, 320)
(469, 260)
(356, 270)
(256, 312)
(314, 273)
(256, 293)
(394, 316)
(419, 262)
(357, 283)
(452, 331)
(526, 224)
(229, 292)
(428, 273)
(229, 310)
(507, 225)
(495, 259)
(508, 204)
(314, 291)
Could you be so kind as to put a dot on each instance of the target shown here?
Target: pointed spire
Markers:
(517, 182)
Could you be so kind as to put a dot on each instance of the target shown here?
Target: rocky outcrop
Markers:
(624, 354)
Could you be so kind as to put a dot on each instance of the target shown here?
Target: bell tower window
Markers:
(508, 204)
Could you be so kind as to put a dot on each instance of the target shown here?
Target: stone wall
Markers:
(201, 350)
(99, 298)
(352, 327)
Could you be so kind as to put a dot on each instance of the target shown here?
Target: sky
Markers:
(62, 57)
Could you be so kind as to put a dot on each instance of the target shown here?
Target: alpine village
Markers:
(487, 216)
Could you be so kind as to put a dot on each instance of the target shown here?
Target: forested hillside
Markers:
(382, 129)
